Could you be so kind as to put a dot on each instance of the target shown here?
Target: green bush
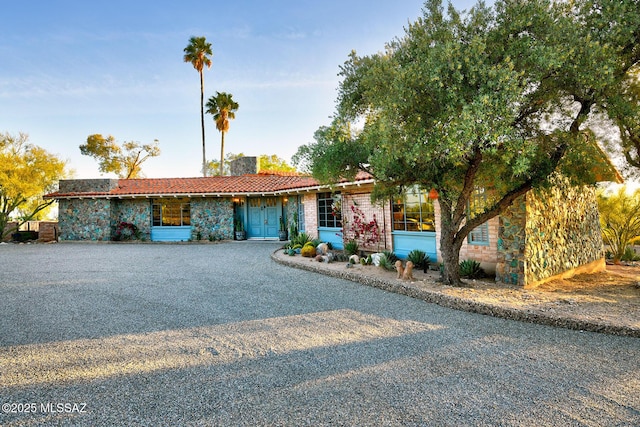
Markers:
(387, 263)
(471, 269)
(390, 256)
(300, 239)
(629, 255)
(351, 247)
(418, 258)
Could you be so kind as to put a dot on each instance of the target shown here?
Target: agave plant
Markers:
(471, 269)
(351, 247)
(418, 258)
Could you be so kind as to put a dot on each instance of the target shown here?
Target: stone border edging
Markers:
(468, 305)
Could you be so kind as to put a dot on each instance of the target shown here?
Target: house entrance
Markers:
(263, 217)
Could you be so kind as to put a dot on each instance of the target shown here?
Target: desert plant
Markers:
(126, 231)
(629, 255)
(387, 263)
(471, 269)
(418, 258)
(308, 250)
(392, 257)
(351, 247)
(300, 239)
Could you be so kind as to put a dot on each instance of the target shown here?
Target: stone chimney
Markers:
(244, 165)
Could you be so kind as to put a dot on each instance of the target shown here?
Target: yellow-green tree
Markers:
(266, 162)
(275, 164)
(125, 161)
(619, 220)
(27, 172)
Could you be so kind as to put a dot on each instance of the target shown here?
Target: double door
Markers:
(264, 217)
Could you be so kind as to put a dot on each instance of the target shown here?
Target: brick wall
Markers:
(310, 204)
(361, 203)
(48, 231)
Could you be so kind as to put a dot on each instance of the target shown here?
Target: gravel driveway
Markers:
(220, 335)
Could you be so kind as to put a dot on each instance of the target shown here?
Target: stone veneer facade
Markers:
(548, 233)
(95, 219)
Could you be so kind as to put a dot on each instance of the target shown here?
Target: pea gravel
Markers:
(220, 335)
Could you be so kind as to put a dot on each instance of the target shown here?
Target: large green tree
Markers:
(198, 53)
(27, 172)
(223, 108)
(493, 98)
(125, 161)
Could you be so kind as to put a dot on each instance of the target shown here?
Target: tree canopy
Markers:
(125, 161)
(266, 162)
(493, 98)
(27, 172)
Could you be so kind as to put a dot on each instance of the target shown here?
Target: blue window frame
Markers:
(477, 204)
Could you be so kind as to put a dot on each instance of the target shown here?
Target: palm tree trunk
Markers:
(222, 155)
(204, 154)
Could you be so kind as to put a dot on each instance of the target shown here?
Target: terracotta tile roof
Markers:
(215, 185)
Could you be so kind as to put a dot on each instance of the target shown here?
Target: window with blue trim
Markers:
(330, 210)
(477, 204)
(413, 211)
(171, 213)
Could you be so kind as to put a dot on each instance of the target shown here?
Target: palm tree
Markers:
(198, 52)
(223, 108)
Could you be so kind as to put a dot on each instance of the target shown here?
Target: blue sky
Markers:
(70, 69)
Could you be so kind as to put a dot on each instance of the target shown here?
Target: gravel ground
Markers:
(220, 335)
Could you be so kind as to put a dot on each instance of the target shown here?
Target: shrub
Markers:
(629, 255)
(301, 239)
(351, 247)
(471, 269)
(390, 256)
(418, 258)
(308, 250)
(126, 231)
(387, 263)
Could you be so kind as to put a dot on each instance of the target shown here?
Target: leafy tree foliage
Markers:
(274, 163)
(27, 172)
(125, 161)
(493, 98)
(198, 53)
(266, 162)
(223, 108)
(619, 219)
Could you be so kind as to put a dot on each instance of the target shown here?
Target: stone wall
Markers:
(291, 211)
(212, 218)
(510, 266)
(563, 231)
(244, 165)
(548, 233)
(85, 219)
(135, 211)
(87, 185)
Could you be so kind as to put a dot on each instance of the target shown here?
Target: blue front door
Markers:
(264, 217)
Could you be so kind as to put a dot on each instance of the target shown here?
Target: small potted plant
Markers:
(283, 230)
(239, 226)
